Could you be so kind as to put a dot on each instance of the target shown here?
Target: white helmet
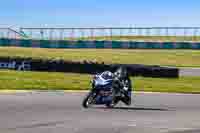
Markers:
(107, 75)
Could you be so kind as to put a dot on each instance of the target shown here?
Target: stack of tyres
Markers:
(94, 67)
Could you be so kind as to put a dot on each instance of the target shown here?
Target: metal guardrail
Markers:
(116, 33)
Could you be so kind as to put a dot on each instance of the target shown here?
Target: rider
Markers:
(122, 83)
(123, 79)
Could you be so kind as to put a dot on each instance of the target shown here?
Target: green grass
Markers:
(179, 58)
(16, 80)
(145, 38)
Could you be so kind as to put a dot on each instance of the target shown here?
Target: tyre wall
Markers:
(29, 64)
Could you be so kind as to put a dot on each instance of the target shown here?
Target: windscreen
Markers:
(107, 75)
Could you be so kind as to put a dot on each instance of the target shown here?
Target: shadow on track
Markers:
(133, 108)
(187, 131)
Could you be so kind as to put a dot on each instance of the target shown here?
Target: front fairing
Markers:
(103, 88)
(100, 83)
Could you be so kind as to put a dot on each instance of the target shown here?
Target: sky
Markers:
(99, 13)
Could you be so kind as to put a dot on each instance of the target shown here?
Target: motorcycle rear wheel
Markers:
(114, 101)
(111, 105)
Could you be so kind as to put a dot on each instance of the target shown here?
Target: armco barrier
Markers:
(84, 67)
(99, 44)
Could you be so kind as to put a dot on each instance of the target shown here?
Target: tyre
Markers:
(111, 105)
(88, 100)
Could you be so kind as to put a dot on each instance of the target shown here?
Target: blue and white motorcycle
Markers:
(107, 90)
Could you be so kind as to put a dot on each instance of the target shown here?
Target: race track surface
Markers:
(59, 112)
(189, 72)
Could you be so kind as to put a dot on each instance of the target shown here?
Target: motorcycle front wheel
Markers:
(88, 100)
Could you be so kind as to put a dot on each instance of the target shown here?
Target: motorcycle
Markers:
(106, 90)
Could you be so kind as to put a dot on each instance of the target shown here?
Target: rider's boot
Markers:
(127, 98)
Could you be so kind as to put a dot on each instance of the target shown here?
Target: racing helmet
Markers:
(107, 75)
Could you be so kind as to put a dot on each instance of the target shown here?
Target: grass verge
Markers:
(176, 58)
(15, 80)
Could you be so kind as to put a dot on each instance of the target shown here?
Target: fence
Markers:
(147, 34)
(104, 37)
(8, 33)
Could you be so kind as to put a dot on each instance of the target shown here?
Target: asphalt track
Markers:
(58, 112)
(194, 72)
